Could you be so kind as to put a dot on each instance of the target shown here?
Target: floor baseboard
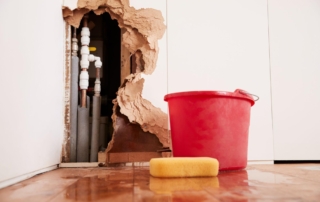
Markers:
(79, 165)
(260, 162)
(20, 178)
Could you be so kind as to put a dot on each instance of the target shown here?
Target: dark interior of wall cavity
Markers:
(106, 34)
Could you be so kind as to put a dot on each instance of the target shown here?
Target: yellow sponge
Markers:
(184, 167)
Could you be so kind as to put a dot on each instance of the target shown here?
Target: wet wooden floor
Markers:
(298, 182)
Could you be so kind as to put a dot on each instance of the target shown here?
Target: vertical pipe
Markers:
(83, 133)
(96, 112)
(84, 75)
(74, 98)
(95, 129)
(83, 97)
(83, 110)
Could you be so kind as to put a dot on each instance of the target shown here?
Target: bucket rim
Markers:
(238, 94)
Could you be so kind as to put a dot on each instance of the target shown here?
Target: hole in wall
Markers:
(105, 42)
(140, 31)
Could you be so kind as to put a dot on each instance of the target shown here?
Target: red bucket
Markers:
(211, 124)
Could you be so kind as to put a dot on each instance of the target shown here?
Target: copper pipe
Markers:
(85, 20)
(98, 73)
(83, 98)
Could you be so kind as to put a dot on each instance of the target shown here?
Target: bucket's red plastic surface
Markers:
(211, 124)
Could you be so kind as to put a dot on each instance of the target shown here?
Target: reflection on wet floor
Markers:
(169, 185)
(256, 183)
(311, 168)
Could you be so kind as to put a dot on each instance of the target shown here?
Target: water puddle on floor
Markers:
(139, 185)
(260, 177)
(169, 185)
(317, 168)
(97, 188)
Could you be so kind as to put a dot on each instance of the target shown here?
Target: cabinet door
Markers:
(223, 45)
(295, 73)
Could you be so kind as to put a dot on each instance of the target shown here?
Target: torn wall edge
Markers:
(143, 27)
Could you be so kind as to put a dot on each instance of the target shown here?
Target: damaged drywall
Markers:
(143, 27)
(65, 154)
(134, 120)
(141, 111)
(141, 31)
(129, 142)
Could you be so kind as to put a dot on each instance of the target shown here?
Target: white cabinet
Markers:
(295, 74)
(223, 45)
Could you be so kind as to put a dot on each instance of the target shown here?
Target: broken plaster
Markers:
(138, 111)
(141, 111)
(65, 154)
(143, 27)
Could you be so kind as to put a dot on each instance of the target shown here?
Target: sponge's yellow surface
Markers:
(184, 167)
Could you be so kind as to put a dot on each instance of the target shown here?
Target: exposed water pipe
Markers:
(83, 109)
(95, 110)
(74, 97)
(84, 63)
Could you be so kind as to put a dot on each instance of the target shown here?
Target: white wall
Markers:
(295, 65)
(31, 118)
(223, 45)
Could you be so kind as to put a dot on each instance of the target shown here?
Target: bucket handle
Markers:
(243, 92)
